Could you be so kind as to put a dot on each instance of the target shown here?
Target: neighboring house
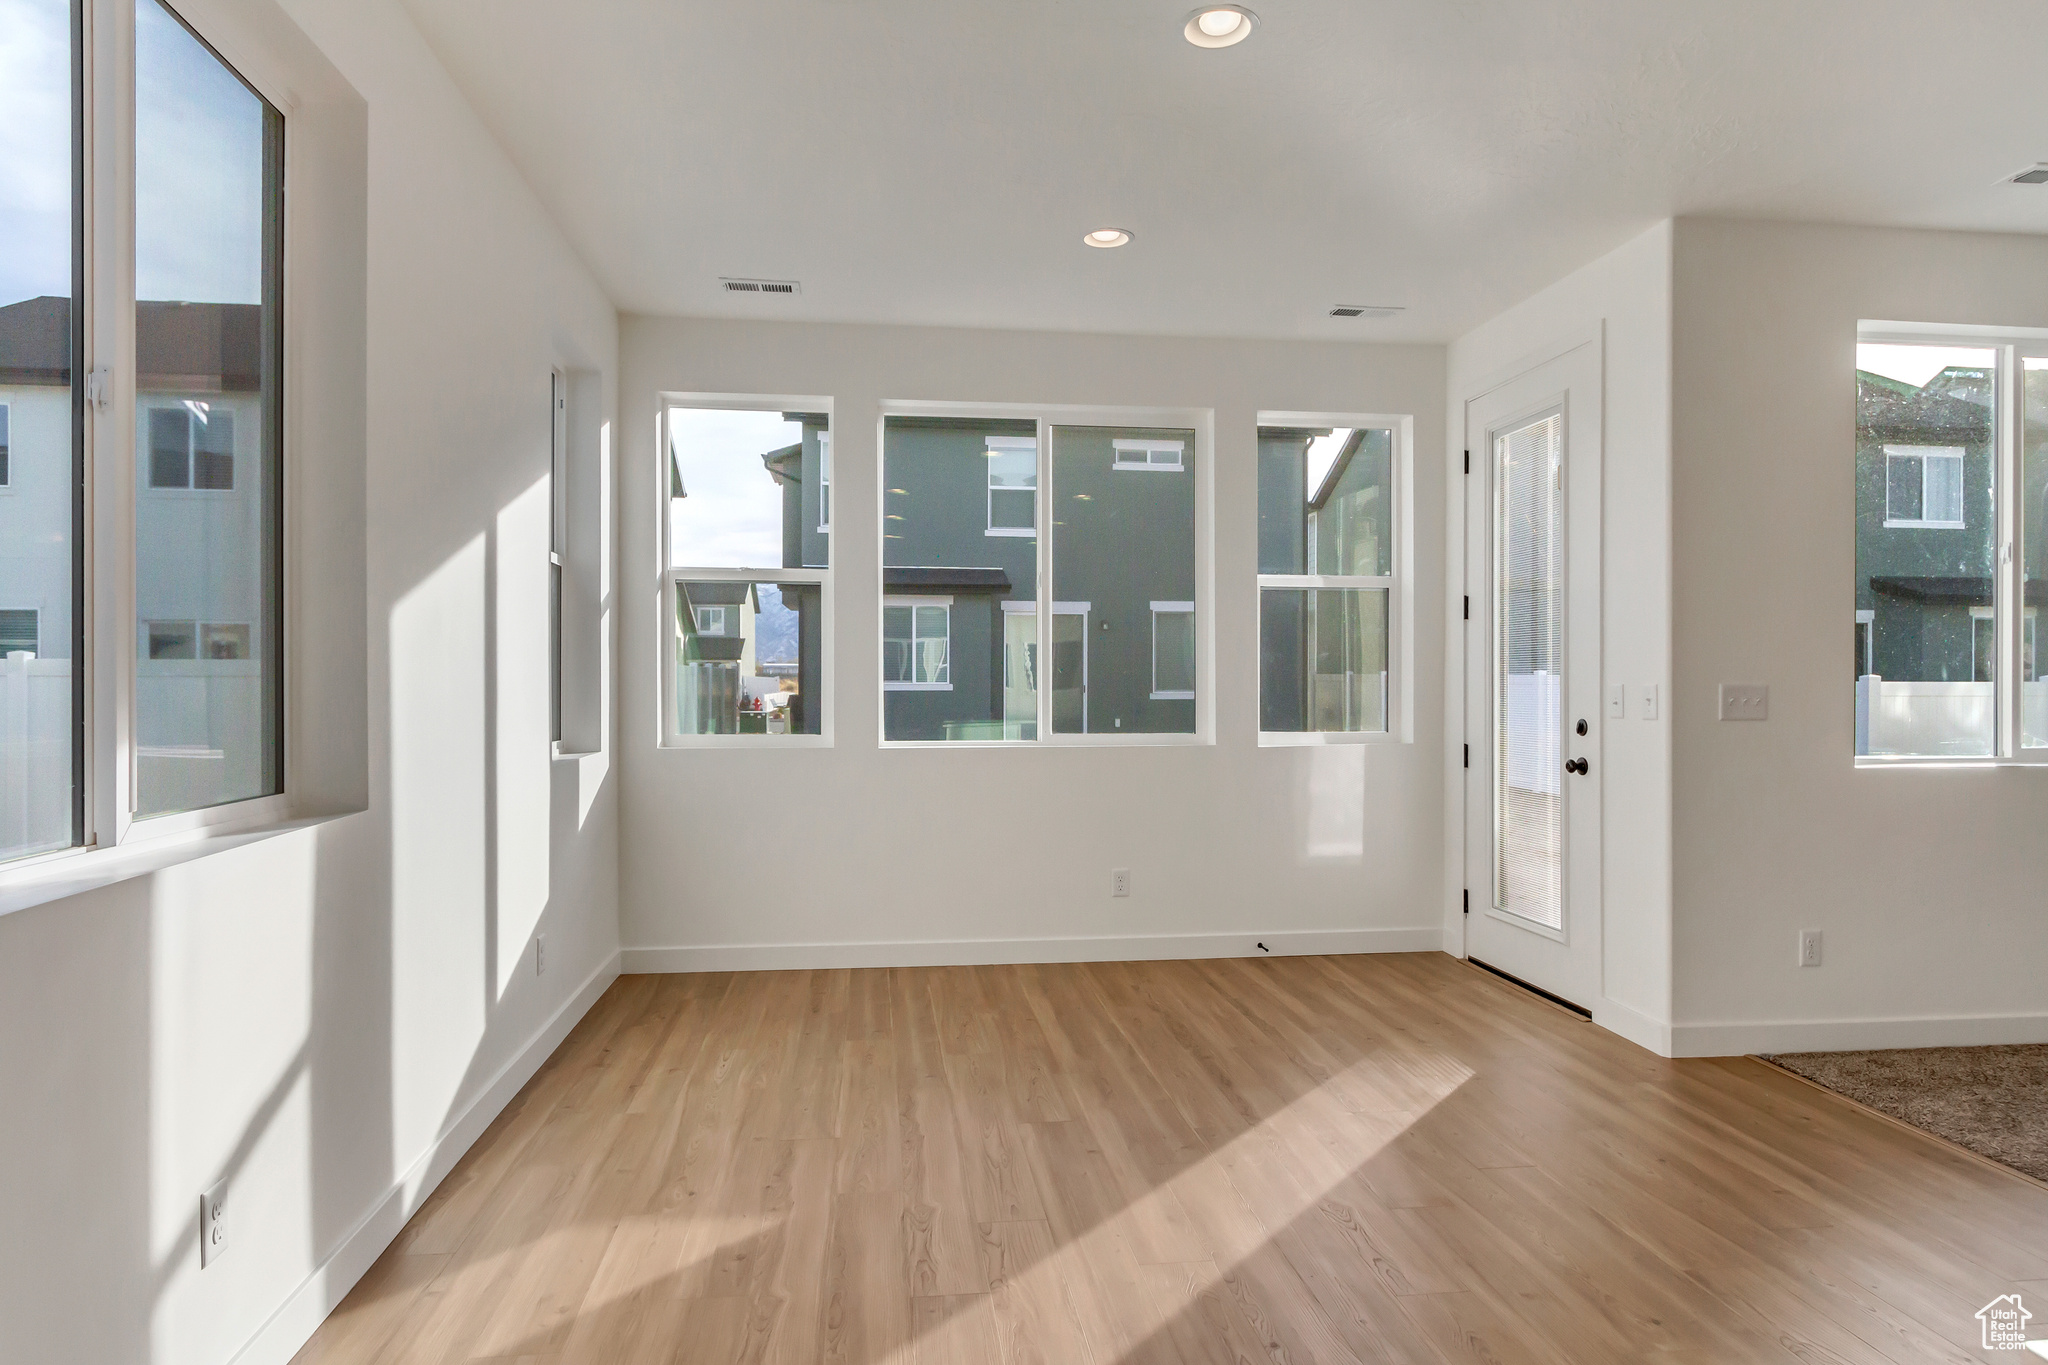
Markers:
(201, 505)
(1924, 539)
(961, 517)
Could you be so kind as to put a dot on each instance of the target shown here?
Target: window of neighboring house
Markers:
(21, 629)
(1012, 485)
(1923, 487)
(192, 446)
(917, 640)
(1864, 621)
(1173, 651)
(1328, 527)
(4, 476)
(745, 653)
(825, 482)
(1142, 454)
(1050, 564)
(1984, 644)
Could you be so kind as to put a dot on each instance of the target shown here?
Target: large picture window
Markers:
(748, 570)
(1327, 527)
(980, 510)
(1950, 466)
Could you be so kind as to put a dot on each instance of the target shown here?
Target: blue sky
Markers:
(198, 155)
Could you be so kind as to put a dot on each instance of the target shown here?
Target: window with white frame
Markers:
(1164, 456)
(195, 272)
(1173, 651)
(1012, 485)
(1327, 589)
(747, 570)
(1051, 564)
(917, 641)
(1923, 487)
(1943, 448)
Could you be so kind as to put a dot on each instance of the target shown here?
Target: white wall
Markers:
(1626, 295)
(308, 1012)
(854, 854)
(1927, 883)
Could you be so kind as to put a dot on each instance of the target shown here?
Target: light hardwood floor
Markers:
(1392, 1158)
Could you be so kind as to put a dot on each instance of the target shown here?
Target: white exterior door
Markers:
(1532, 677)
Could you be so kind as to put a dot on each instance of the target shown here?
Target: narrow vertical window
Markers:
(1326, 578)
(1929, 623)
(42, 739)
(749, 559)
(824, 439)
(558, 524)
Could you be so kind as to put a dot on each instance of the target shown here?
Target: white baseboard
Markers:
(1855, 1035)
(977, 952)
(1634, 1025)
(295, 1321)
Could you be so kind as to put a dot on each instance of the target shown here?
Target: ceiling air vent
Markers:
(2036, 174)
(737, 286)
(1364, 310)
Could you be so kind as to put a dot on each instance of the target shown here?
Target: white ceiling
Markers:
(936, 161)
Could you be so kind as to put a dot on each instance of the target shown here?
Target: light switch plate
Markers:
(1646, 701)
(1617, 701)
(1745, 701)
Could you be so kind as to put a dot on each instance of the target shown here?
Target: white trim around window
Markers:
(669, 575)
(929, 672)
(1399, 586)
(1160, 609)
(1941, 487)
(1202, 422)
(1158, 457)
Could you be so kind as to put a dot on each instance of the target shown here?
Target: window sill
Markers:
(78, 871)
(1882, 761)
(1012, 531)
(1924, 526)
(916, 687)
(1302, 739)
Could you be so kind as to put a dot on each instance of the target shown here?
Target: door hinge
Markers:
(1468, 900)
(1468, 462)
(1468, 606)
(1468, 755)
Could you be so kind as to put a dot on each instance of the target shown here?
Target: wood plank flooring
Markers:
(1390, 1158)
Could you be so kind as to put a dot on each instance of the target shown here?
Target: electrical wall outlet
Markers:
(540, 954)
(213, 1227)
(1617, 701)
(1809, 947)
(1745, 701)
(1119, 881)
(1646, 701)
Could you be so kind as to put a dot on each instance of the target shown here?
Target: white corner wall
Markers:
(855, 855)
(1926, 881)
(327, 1016)
(1626, 296)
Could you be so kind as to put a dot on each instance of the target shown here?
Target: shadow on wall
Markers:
(300, 1017)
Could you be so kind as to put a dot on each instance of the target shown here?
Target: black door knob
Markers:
(1578, 765)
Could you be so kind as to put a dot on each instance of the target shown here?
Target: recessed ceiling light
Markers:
(1107, 237)
(2036, 174)
(1220, 25)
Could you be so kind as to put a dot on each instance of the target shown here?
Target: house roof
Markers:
(205, 347)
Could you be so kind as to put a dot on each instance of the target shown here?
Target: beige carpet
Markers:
(1992, 1100)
